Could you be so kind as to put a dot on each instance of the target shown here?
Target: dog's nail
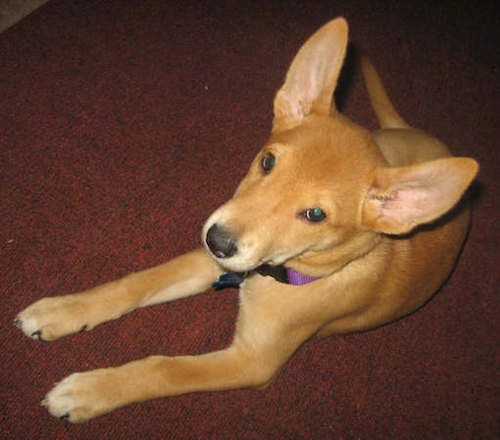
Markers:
(64, 417)
(18, 323)
(37, 335)
(84, 328)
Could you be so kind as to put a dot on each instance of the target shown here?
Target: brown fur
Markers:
(386, 245)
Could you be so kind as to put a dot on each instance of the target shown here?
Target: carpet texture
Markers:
(124, 124)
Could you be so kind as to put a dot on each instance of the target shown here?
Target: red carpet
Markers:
(124, 124)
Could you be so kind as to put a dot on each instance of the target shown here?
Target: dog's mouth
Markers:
(234, 259)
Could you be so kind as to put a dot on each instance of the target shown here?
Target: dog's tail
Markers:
(386, 114)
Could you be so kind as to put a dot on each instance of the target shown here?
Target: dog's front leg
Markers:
(82, 396)
(51, 318)
(262, 344)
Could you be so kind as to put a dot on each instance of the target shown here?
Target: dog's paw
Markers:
(81, 396)
(51, 318)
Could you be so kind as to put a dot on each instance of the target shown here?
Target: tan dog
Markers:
(358, 224)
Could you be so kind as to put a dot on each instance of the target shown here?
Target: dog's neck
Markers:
(321, 264)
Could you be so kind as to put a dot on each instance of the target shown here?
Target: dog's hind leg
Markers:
(51, 318)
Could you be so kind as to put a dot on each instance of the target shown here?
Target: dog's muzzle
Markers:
(220, 242)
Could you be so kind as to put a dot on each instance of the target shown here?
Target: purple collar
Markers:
(279, 273)
(285, 275)
(298, 279)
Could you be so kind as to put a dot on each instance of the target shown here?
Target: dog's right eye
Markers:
(267, 162)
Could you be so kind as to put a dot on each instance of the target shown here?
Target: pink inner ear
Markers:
(422, 192)
(303, 87)
(408, 204)
(312, 76)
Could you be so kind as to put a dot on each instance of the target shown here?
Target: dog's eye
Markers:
(267, 162)
(314, 215)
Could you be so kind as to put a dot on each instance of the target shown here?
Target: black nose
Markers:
(220, 242)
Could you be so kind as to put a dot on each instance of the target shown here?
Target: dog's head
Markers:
(319, 193)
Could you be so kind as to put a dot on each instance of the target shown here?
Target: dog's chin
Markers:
(239, 263)
(235, 264)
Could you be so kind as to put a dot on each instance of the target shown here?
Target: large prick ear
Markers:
(402, 198)
(312, 76)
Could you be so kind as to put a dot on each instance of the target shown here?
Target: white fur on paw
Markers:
(50, 318)
(29, 325)
(79, 397)
(60, 401)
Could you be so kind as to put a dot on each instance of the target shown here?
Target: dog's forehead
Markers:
(325, 149)
(302, 163)
(319, 133)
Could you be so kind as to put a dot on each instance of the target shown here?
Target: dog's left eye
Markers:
(314, 215)
(267, 162)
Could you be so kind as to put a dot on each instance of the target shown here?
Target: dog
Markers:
(335, 229)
